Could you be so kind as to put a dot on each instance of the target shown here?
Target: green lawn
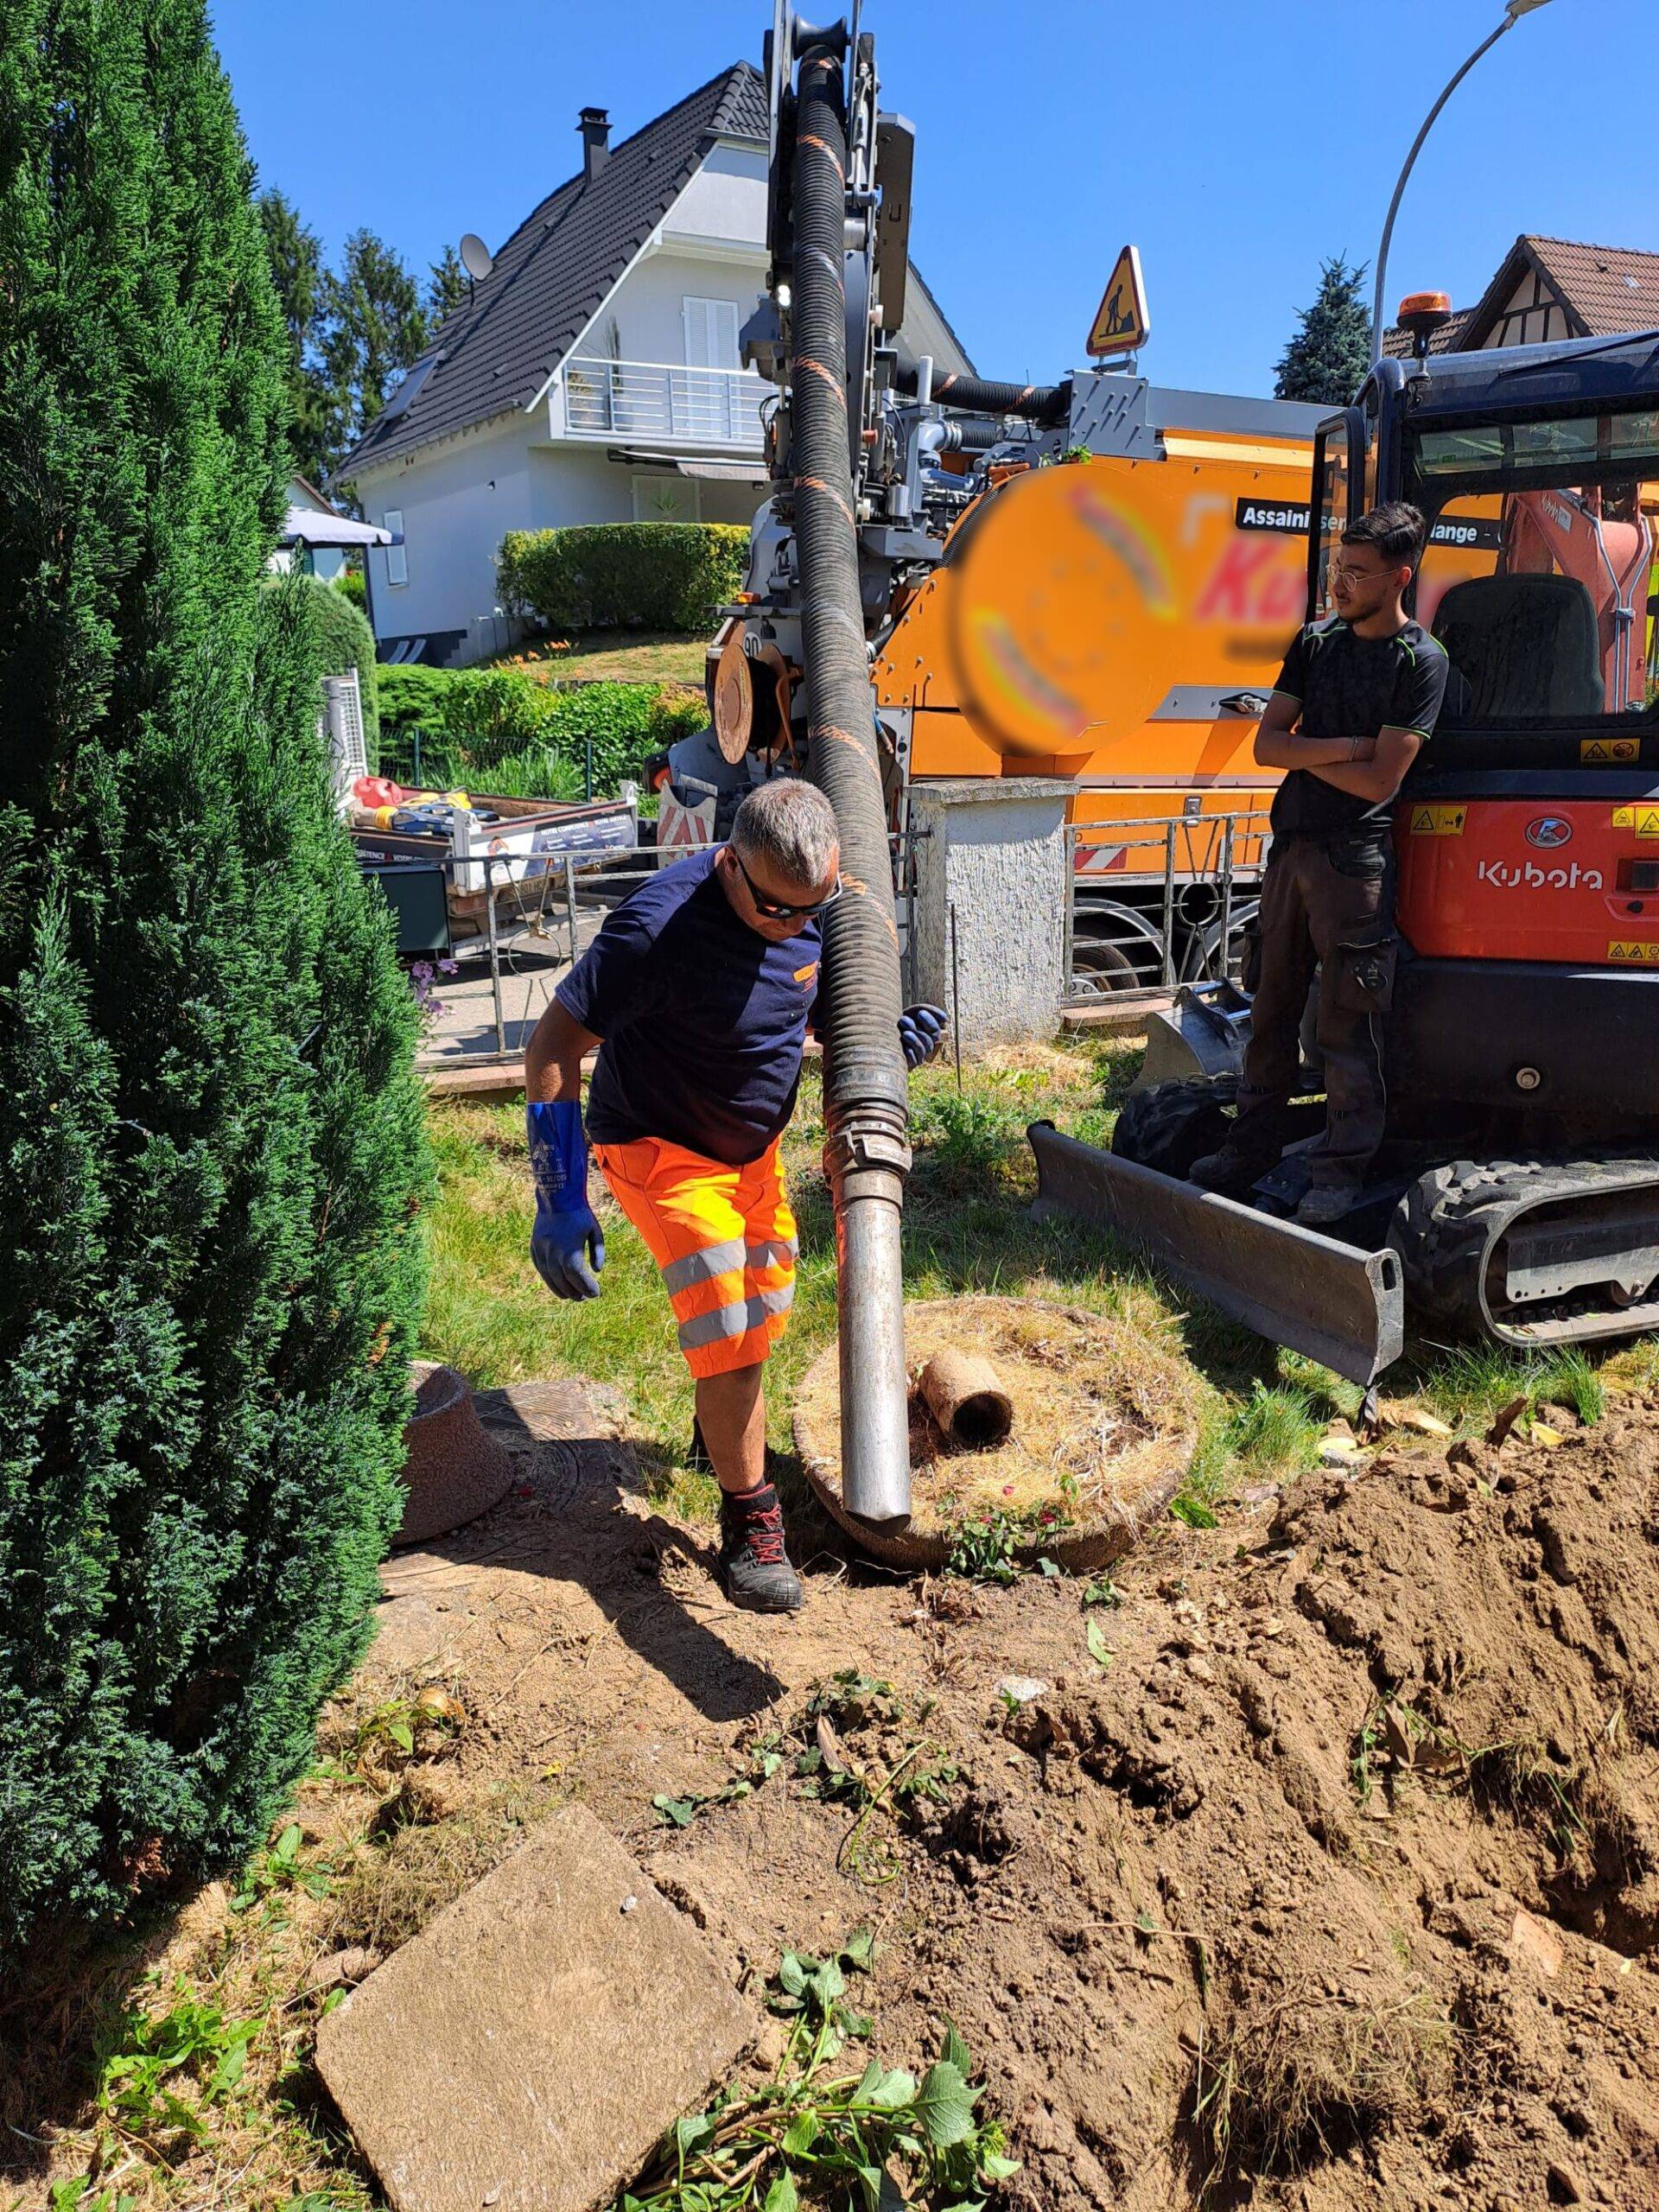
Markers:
(617, 656)
(966, 1231)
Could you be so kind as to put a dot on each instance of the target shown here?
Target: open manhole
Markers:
(1104, 1421)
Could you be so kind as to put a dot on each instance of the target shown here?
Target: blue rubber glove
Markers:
(567, 1232)
(921, 1032)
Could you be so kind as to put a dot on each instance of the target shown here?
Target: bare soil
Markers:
(1342, 1870)
(1105, 1422)
(1323, 1873)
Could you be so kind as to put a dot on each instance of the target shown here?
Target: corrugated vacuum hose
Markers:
(865, 1114)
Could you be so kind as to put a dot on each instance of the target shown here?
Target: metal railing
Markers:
(529, 929)
(1158, 901)
(658, 400)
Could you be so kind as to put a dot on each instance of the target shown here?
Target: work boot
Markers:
(753, 1561)
(1323, 1202)
(1229, 1171)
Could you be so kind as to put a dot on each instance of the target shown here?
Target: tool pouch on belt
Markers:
(1361, 977)
(1250, 956)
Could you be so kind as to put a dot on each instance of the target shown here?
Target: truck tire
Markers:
(1169, 1125)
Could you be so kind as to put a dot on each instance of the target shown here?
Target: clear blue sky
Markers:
(1236, 144)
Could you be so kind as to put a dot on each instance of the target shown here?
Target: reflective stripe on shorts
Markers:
(724, 1241)
(736, 1320)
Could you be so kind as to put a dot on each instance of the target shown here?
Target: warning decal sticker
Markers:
(1635, 951)
(1644, 820)
(1609, 748)
(1438, 821)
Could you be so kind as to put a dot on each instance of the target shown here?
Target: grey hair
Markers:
(789, 826)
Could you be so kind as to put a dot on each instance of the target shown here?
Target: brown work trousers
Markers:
(1328, 903)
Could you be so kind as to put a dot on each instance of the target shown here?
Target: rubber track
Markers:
(1452, 1219)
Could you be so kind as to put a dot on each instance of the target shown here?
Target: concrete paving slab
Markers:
(526, 2051)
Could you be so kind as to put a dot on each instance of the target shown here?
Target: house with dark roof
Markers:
(593, 374)
(1547, 290)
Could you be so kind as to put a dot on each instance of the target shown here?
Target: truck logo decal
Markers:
(1549, 831)
(1285, 521)
(1134, 546)
(1534, 878)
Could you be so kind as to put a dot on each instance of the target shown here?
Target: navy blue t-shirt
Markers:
(703, 1020)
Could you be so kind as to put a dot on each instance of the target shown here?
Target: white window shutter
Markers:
(396, 555)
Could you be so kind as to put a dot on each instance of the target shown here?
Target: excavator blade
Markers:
(1340, 1306)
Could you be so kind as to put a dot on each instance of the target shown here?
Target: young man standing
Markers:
(697, 991)
(1355, 703)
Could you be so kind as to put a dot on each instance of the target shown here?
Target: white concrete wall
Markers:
(995, 850)
(458, 501)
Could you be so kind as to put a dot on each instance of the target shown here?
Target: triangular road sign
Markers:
(1122, 324)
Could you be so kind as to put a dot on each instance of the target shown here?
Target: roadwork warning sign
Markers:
(1122, 324)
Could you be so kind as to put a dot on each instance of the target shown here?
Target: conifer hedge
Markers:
(210, 1164)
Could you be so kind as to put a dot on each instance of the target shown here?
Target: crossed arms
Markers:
(1371, 768)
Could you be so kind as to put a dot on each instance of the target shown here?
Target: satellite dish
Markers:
(475, 256)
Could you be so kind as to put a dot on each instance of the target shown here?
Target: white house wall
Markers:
(458, 501)
(648, 308)
(727, 198)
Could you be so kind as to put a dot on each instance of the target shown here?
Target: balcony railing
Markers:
(656, 400)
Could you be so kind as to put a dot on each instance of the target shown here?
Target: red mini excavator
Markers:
(1518, 1193)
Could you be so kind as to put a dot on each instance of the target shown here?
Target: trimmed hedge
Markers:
(500, 729)
(411, 695)
(615, 576)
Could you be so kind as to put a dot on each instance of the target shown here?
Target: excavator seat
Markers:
(1526, 645)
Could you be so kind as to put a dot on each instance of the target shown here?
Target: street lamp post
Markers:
(1512, 16)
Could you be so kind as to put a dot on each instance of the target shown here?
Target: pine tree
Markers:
(296, 255)
(210, 1134)
(376, 327)
(1327, 360)
(450, 288)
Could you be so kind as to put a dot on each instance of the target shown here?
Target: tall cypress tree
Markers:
(1327, 360)
(210, 1144)
(297, 269)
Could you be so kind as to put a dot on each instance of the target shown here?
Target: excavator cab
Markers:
(1518, 1193)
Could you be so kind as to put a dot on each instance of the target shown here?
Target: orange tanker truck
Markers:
(1103, 594)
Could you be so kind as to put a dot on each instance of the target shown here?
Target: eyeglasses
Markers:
(1340, 572)
(774, 910)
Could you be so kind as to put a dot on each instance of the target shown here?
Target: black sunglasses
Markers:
(774, 910)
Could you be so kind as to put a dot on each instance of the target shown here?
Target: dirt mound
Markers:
(1311, 1863)
(1104, 1420)
(1326, 1874)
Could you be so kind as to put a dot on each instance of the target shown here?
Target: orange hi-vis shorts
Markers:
(724, 1238)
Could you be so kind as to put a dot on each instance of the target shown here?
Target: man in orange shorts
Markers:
(698, 991)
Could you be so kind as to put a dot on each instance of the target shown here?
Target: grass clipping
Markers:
(1104, 1423)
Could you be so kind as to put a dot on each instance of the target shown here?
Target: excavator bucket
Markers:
(1340, 1306)
(1203, 1033)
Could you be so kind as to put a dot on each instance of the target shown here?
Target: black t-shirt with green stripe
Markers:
(1349, 686)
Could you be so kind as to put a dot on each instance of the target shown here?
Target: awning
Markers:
(306, 526)
(710, 471)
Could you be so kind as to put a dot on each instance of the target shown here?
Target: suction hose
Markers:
(1046, 404)
(865, 1111)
